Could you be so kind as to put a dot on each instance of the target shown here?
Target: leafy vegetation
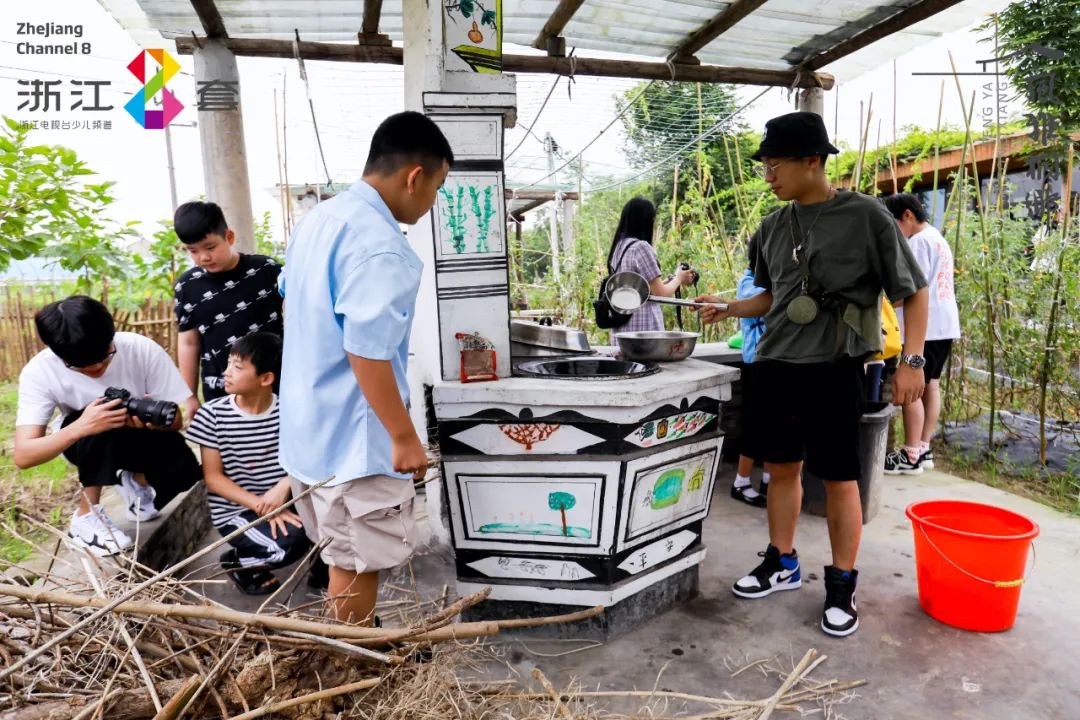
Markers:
(45, 490)
(1018, 298)
(48, 209)
(1039, 38)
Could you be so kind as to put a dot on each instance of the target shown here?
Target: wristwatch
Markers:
(916, 362)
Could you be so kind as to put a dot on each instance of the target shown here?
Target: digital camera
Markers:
(160, 413)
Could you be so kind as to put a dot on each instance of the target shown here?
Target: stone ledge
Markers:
(622, 618)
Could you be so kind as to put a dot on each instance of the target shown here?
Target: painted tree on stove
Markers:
(562, 501)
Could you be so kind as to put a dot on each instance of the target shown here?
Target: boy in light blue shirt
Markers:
(350, 285)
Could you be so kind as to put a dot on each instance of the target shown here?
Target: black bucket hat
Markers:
(797, 134)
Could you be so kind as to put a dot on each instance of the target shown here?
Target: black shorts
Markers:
(806, 412)
(936, 353)
(745, 377)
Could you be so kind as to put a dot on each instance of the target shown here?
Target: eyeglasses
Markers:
(765, 169)
(99, 362)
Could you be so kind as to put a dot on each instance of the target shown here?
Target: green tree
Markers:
(156, 270)
(265, 244)
(47, 209)
(1023, 29)
(669, 116)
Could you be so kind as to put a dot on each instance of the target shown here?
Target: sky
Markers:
(350, 100)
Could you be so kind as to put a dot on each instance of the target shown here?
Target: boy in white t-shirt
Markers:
(108, 444)
(935, 258)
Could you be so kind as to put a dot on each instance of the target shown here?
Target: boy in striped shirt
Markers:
(238, 437)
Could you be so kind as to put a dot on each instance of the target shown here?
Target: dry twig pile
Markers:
(124, 643)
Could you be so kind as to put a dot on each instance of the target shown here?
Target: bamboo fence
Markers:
(19, 340)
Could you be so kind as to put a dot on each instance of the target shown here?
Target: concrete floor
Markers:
(915, 666)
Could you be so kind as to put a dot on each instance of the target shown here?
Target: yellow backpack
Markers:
(890, 331)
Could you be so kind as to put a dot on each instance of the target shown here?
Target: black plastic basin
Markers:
(586, 368)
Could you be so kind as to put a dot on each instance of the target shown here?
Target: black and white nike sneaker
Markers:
(926, 460)
(138, 499)
(840, 617)
(776, 572)
(96, 532)
(898, 462)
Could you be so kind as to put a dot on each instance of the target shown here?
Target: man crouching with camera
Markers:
(119, 398)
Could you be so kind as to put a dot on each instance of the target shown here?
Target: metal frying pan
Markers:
(627, 291)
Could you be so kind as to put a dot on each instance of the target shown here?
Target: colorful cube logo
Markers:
(154, 75)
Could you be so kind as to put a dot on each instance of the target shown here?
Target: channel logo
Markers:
(154, 73)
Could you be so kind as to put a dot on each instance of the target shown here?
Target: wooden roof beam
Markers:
(599, 67)
(210, 18)
(548, 38)
(905, 18)
(519, 214)
(679, 72)
(695, 41)
(541, 195)
(335, 52)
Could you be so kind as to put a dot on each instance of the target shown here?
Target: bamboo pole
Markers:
(22, 329)
(283, 190)
(865, 133)
(987, 264)
(892, 163)
(937, 153)
(366, 635)
(1051, 324)
(836, 132)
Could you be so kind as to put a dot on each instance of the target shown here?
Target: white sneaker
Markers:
(138, 499)
(96, 532)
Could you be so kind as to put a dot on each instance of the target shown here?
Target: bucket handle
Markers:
(995, 583)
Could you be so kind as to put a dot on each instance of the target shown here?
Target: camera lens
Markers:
(160, 413)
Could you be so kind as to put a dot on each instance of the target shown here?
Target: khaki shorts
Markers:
(368, 521)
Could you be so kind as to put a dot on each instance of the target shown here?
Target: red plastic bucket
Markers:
(970, 560)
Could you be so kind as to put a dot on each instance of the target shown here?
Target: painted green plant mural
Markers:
(462, 216)
(483, 218)
(455, 216)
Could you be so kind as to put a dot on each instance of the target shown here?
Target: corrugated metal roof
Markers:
(775, 36)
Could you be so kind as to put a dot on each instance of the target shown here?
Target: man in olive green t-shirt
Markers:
(824, 261)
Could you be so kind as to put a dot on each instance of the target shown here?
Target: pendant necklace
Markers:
(803, 309)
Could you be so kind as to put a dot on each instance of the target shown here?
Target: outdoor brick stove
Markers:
(566, 494)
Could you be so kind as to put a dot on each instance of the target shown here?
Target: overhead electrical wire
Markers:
(717, 126)
(528, 130)
(615, 119)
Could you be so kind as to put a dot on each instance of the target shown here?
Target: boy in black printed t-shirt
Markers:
(224, 297)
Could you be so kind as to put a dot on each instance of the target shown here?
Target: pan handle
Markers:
(685, 303)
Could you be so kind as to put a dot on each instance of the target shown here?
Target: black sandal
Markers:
(259, 581)
(739, 493)
(254, 581)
